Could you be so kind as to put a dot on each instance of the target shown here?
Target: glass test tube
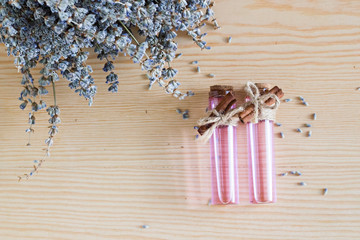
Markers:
(262, 174)
(224, 172)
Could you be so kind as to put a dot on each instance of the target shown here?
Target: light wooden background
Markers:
(131, 160)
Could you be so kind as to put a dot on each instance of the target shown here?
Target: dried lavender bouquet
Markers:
(54, 33)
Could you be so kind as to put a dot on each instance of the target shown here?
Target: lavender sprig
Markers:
(55, 34)
(54, 120)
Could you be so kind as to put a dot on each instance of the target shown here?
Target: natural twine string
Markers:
(261, 111)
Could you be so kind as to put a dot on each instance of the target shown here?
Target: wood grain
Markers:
(124, 163)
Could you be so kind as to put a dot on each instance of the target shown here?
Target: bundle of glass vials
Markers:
(260, 148)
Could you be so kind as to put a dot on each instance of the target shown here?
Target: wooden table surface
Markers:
(131, 160)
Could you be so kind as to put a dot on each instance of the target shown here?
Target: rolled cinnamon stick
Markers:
(249, 112)
(223, 106)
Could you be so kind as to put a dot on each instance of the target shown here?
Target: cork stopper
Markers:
(220, 90)
(263, 86)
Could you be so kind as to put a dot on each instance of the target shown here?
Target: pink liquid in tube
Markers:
(261, 162)
(224, 172)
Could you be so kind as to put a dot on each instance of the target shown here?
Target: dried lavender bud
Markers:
(112, 80)
(325, 191)
(41, 104)
(31, 119)
(178, 55)
(190, 93)
(108, 66)
(169, 73)
(23, 104)
(49, 141)
(282, 135)
(43, 91)
(34, 107)
(186, 114)
(309, 133)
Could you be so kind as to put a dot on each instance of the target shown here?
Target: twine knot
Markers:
(228, 118)
(262, 111)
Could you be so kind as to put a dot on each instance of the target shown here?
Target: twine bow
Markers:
(220, 119)
(262, 111)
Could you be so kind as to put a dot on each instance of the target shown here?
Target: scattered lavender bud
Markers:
(297, 173)
(108, 66)
(197, 136)
(145, 226)
(194, 62)
(206, 109)
(211, 75)
(178, 55)
(309, 134)
(292, 172)
(198, 69)
(305, 103)
(314, 116)
(325, 191)
(288, 100)
(278, 124)
(299, 130)
(284, 174)
(209, 202)
(301, 98)
(185, 114)
(282, 135)
(216, 25)
(307, 125)
(302, 184)
(196, 127)
(229, 39)
(190, 93)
